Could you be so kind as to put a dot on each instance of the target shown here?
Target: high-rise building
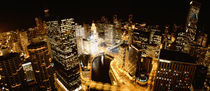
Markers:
(141, 37)
(131, 60)
(11, 41)
(40, 59)
(109, 34)
(200, 77)
(175, 71)
(192, 19)
(80, 35)
(117, 29)
(185, 38)
(94, 40)
(202, 39)
(141, 63)
(155, 37)
(11, 71)
(24, 43)
(122, 53)
(182, 42)
(62, 38)
(207, 61)
(199, 52)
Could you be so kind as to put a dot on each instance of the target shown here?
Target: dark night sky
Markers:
(21, 13)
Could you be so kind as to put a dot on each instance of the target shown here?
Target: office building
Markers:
(175, 71)
(11, 71)
(40, 59)
(200, 77)
(62, 38)
(192, 19)
(122, 53)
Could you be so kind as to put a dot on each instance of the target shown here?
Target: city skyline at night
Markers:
(21, 14)
(105, 45)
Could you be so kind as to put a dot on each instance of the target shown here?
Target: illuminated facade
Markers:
(208, 62)
(11, 41)
(62, 38)
(94, 40)
(109, 34)
(122, 53)
(80, 35)
(106, 55)
(141, 38)
(34, 59)
(11, 72)
(117, 29)
(185, 38)
(41, 62)
(175, 71)
(192, 19)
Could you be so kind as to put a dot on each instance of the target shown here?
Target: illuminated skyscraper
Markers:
(192, 19)
(185, 38)
(109, 34)
(11, 71)
(41, 61)
(80, 35)
(117, 29)
(141, 38)
(175, 71)
(122, 53)
(182, 42)
(155, 37)
(11, 41)
(62, 38)
(207, 61)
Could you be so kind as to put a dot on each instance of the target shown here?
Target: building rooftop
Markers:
(9, 56)
(176, 56)
(36, 45)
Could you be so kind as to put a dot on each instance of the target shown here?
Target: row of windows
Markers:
(174, 75)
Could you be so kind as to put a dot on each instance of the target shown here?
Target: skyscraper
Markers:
(192, 19)
(207, 61)
(40, 59)
(109, 34)
(185, 38)
(11, 71)
(62, 38)
(175, 71)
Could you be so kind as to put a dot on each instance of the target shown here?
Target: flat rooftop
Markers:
(176, 56)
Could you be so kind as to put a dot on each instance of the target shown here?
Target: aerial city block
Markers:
(106, 55)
